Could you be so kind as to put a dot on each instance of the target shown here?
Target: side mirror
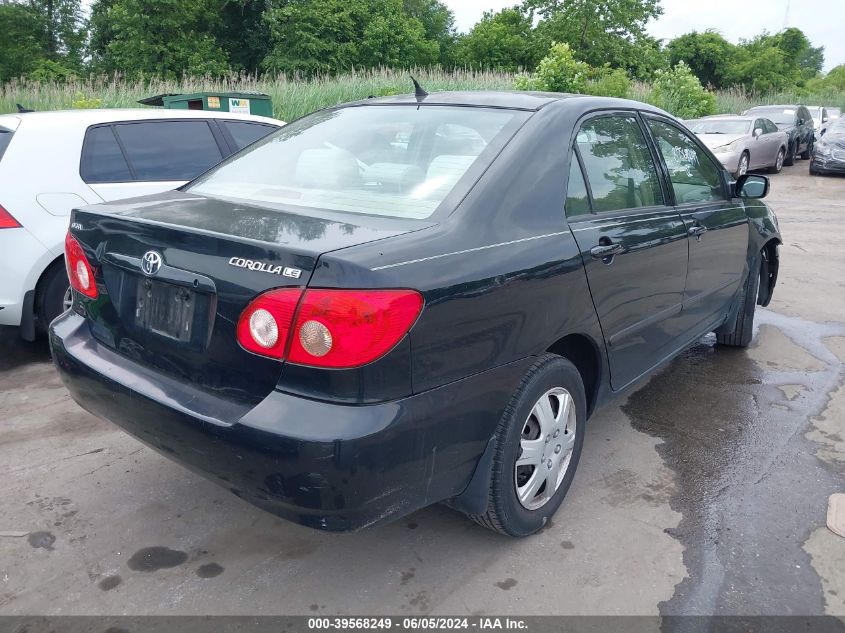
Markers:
(752, 186)
(758, 132)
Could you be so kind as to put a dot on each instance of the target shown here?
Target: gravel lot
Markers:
(703, 490)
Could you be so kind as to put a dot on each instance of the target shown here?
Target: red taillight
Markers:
(334, 328)
(7, 221)
(265, 324)
(79, 271)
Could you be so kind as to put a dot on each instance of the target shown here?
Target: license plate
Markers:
(165, 309)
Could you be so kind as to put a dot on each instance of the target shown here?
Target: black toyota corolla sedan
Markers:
(411, 300)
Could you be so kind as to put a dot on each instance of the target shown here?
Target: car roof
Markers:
(725, 117)
(509, 99)
(775, 106)
(86, 117)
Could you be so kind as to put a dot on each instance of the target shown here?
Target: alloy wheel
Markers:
(545, 450)
(67, 300)
(743, 165)
(779, 160)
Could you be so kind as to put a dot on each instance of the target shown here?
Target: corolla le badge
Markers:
(285, 271)
(151, 263)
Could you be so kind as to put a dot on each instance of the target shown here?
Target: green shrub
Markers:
(558, 71)
(610, 83)
(81, 102)
(47, 70)
(678, 91)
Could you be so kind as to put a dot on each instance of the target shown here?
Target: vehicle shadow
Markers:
(16, 352)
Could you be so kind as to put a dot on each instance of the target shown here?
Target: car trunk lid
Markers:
(174, 272)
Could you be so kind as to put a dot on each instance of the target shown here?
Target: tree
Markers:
(22, 43)
(679, 92)
(438, 21)
(503, 40)
(165, 38)
(243, 33)
(325, 36)
(798, 52)
(709, 55)
(760, 65)
(599, 31)
(64, 30)
(558, 71)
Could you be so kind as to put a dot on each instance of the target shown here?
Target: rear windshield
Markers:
(5, 139)
(392, 161)
(781, 116)
(719, 126)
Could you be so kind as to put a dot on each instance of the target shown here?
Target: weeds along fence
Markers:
(296, 96)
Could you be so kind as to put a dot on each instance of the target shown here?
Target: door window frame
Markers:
(575, 152)
(720, 169)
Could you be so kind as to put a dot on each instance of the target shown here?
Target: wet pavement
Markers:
(703, 490)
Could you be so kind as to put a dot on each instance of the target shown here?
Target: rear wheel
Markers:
(537, 447)
(739, 333)
(53, 295)
(791, 151)
(778, 166)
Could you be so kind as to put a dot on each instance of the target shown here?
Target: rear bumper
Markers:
(323, 465)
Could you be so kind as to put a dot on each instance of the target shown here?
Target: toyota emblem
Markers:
(151, 263)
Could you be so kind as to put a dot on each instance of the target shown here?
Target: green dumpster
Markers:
(236, 102)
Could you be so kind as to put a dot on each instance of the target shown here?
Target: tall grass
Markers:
(295, 97)
(292, 98)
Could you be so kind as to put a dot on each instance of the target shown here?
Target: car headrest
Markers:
(394, 176)
(331, 168)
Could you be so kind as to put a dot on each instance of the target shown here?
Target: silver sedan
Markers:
(742, 143)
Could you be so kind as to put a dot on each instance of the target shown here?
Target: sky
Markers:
(821, 20)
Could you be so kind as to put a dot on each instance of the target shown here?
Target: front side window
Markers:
(392, 161)
(618, 164)
(577, 200)
(169, 150)
(695, 178)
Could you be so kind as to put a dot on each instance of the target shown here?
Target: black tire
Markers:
(778, 166)
(791, 151)
(50, 295)
(740, 332)
(505, 513)
(805, 155)
(814, 171)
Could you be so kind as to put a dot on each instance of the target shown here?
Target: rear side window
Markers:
(244, 133)
(577, 200)
(169, 150)
(5, 139)
(618, 164)
(695, 178)
(102, 159)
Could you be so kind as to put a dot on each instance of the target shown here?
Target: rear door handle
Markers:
(697, 231)
(603, 251)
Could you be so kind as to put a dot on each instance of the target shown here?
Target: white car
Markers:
(51, 162)
(820, 116)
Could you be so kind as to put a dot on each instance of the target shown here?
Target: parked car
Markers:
(829, 151)
(796, 121)
(51, 162)
(342, 340)
(743, 143)
(820, 116)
